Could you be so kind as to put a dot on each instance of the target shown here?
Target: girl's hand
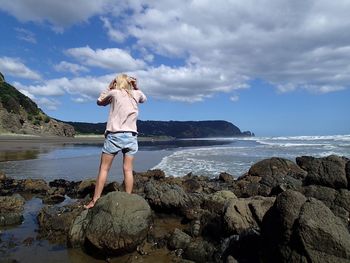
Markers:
(111, 85)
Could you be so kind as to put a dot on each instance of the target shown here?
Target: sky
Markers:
(274, 67)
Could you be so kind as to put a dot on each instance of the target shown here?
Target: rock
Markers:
(37, 186)
(171, 198)
(337, 201)
(231, 259)
(277, 167)
(200, 251)
(55, 222)
(297, 229)
(347, 170)
(53, 199)
(76, 234)
(321, 234)
(215, 202)
(179, 239)
(11, 209)
(156, 174)
(225, 177)
(192, 186)
(2, 176)
(270, 177)
(328, 171)
(86, 187)
(242, 214)
(117, 223)
(68, 186)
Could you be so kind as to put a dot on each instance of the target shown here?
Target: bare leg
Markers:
(105, 165)
(128, 176)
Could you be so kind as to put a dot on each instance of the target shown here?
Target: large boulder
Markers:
(11, 210)
(216, 201)
(116, 224)
(246, 213)
(300, 229)
(327, 171)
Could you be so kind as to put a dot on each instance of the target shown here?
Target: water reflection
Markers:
(18, 155)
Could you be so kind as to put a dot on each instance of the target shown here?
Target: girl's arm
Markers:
(105, 97)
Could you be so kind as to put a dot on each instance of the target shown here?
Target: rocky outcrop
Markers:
(280, 211)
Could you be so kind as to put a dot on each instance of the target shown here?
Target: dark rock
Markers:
(179, 239)
(37, 186)
(86, 187)
(53, 199)
(246, 213)
(347, 170)
(297, 229)
(156, 174)
(55, 222)
(118, 223)
(68, 186)
(199, 251)
(270, 177)
(276, 167)
(192, 186)
(225, 177)
(11, 209)
(170, 197)
(328, 171)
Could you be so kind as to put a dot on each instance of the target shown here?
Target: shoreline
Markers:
(15, 142)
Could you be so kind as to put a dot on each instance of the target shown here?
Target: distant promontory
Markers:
(175, 129)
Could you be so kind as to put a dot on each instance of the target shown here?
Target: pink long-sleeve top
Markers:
(123, 110)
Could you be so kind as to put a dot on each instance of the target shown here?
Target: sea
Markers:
(201, 156)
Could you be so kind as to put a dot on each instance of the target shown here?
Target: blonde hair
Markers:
(122, 82)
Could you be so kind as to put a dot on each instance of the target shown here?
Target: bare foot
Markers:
(91, 204)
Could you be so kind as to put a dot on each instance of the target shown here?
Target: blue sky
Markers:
(272, 67)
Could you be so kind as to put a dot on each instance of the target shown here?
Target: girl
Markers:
(123, 96)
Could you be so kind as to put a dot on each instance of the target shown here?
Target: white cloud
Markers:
(60, 14)
(43, 102)
(65, 66)
(48, 103)
(52, 87)
(15, 67)
(111, 58)
(26, 35)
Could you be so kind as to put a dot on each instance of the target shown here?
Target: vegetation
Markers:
(13, 100)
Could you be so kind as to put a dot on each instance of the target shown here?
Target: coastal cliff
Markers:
(20, 115)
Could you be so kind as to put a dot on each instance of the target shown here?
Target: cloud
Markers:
(52, 87)
(296, 44)
(26, 35)
(110, 58)
(15, 67)
(59, 14)
(65, 66)
(43, 102)
(113, 33)
(48, 103)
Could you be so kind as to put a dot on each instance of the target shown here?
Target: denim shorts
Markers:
(121, 141)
